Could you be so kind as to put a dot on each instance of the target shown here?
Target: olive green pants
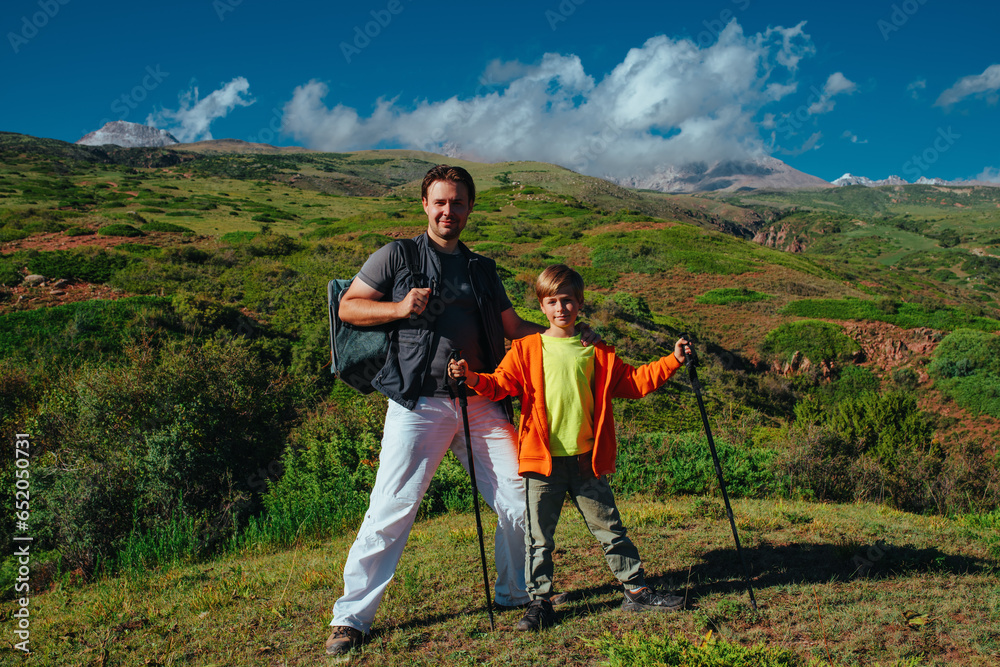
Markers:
(596, 503)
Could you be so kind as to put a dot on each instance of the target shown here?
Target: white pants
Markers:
(413, 445)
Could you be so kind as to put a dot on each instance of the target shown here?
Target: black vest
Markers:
(411, 345)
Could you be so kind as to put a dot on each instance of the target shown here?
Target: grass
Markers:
(904, 315)
(848, 584)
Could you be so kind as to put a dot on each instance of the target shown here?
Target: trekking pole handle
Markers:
(690, 357)
(460, 387)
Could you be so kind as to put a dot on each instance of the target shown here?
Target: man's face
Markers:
(447, 206)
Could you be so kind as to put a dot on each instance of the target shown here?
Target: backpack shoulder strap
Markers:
(411, 261)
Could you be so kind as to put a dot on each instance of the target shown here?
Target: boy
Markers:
(566, 438)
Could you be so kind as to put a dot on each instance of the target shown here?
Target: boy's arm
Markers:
(631, 382)
(506, 380)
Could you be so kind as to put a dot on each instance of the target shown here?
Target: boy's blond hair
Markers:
(559, 278)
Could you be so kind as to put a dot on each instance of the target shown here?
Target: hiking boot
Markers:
(538, 616)
(343, 639)
(646, 599)
(558, 599)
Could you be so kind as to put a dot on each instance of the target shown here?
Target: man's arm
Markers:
(362, 305)
(514, 327)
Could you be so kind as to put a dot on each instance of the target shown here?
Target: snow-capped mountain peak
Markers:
(129, 135)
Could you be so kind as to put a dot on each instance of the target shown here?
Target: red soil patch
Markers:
(48, 294)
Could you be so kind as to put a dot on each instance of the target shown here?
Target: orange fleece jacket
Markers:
(520, 374)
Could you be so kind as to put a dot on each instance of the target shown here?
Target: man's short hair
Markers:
(443, 172)
(557, 279)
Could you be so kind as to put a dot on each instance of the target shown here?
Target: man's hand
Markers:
(415, 302)
(587, 335)
(362, 305)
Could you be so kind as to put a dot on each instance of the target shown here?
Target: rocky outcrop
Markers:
(129, 135)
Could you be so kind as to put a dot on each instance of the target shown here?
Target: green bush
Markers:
(9, 275)
(180, 432)
(7, 234)
(320, 492)
(85, 330)
(632, 307)
(160, 226)
(91, 266)
(119, 229)
(814, 340)
(905, 315)
(967, 367)
(672, 464)
(884, 425)
(727, 295)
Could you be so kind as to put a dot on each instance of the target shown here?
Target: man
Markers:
(456, 301)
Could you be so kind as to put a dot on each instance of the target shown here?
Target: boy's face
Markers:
(561, 309)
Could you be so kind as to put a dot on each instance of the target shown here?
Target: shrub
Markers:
(238, 237)
(159, 226)
(967, 367)
(95, 267)
(884, 425)
(319, 492)
(815, 340)
(180, 432)
(271, 245)
(9, 275)
(671, 464)
(119, 229)
(905, 315)
(725, 296)
(85, 330)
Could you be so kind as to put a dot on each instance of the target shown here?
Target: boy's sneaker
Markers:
(646, 599)
(538, 616)
(343, 639)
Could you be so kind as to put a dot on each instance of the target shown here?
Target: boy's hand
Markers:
(682, 348)
(459, 370)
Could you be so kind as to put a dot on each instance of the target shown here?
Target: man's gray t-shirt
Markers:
(452, 310)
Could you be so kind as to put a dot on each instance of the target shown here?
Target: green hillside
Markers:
(170, 364)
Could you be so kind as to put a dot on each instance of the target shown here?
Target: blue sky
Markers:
(607, 88)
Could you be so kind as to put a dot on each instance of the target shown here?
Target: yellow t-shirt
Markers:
(568, 368)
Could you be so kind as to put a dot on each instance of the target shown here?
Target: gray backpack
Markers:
(357, 354)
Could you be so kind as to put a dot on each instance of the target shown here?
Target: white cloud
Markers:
(853, 137)
(191, 120)
(915, 88)
(976, 84)
(835, 85)
(667, 102)
(810, 144)
(990, 174)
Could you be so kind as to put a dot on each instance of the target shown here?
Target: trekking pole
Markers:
(463, 401)
(691, 362)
